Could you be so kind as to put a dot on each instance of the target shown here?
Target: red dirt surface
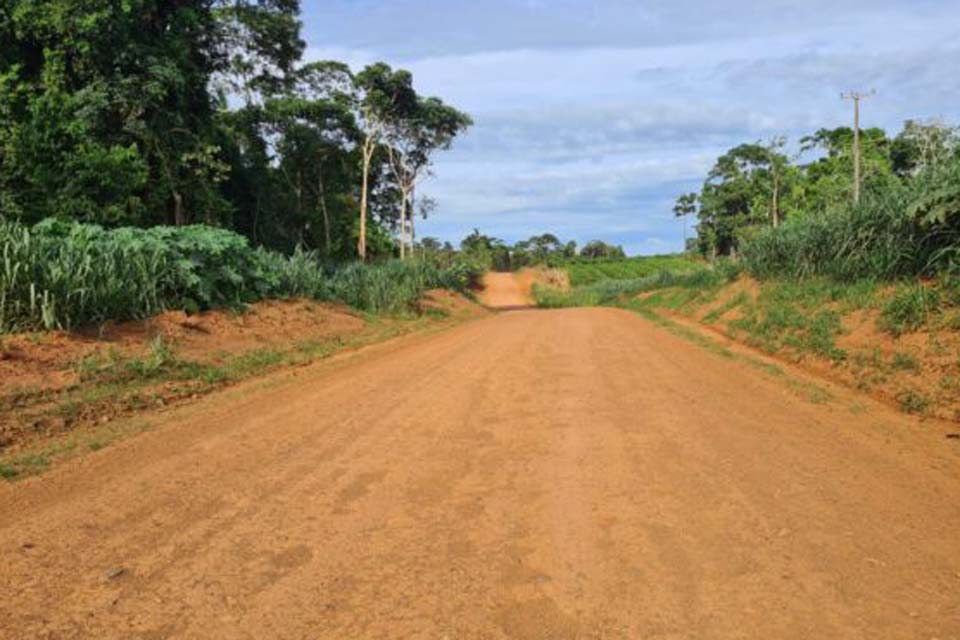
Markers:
(49, 360)
(925, 363)
(577, 473)
(512, 290)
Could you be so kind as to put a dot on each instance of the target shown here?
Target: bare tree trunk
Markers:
(178, 217)
(299, 190)
(321, 196)
(403, 224)
(413, 216)
(256, 217)
(368, 147)
(775, 205)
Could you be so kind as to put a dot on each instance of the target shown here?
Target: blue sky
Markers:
(592, 116)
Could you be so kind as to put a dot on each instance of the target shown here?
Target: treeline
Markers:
(493, 253)
(788, 217)
(154, 112)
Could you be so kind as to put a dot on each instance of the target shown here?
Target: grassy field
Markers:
(585, 272)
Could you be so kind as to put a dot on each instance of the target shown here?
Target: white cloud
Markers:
(592, 117)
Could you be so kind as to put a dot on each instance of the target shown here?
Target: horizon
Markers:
(591, 118)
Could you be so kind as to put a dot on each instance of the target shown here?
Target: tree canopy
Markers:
(147, 112)
(757, 185)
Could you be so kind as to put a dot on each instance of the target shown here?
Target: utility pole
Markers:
(856, 97)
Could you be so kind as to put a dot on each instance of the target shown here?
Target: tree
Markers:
(599, 249)
(686, 205)
(385, 96)
(411, 138)
(146, 112)
(744, 188)
(923, 145)
(826, 180)
(108, 114)
(313, 127)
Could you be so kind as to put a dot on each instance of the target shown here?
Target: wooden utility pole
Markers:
(856, 97)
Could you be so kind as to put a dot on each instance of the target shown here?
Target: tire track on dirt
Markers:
(567, 474)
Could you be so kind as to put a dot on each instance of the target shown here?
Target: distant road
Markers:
(577, 473)
(506, 290)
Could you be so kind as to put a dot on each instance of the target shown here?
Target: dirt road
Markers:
(565, 474)
(506, 290)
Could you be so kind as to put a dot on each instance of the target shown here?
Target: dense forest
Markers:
(801, 215)
(174, 112)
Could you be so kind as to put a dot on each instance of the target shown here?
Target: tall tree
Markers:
(111, 117)
(384, 96)
(412, 138)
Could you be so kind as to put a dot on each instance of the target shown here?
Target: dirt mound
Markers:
(50, 361)
(449, 303)
(723, 306)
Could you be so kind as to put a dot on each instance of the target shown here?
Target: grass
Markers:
(913, 402)
(59, 274)
(909, 308)
(586, 272)
(611, 292)
(899, 229)
(905, 362)
(807, 390)
(38, 458)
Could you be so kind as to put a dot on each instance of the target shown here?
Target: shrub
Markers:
(898, 230)
(60, 275)
(908, 309)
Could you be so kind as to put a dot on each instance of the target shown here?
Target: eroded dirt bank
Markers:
(56, 384)
(539, 474)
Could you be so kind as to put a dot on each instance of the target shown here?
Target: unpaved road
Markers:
(506, 290)
(566, 474)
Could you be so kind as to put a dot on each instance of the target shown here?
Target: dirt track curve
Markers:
(536, 474)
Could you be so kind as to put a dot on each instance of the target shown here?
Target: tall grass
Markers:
(898, 230)
(61, 275)
(606, 292)
(394, 286)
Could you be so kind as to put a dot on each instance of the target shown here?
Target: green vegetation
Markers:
(143, 113)
(60, 274)
(798, 220)
(691, 277)
(586, 272)
(913, 402)
(909, 308)
(495, 254)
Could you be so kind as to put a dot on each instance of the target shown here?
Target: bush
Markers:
(908, 309)
(393, 286)
(899, 230)
(60, 275)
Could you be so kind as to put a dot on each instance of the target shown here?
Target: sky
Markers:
(591, 117)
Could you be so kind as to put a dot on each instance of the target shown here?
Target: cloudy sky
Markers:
(592, 116)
